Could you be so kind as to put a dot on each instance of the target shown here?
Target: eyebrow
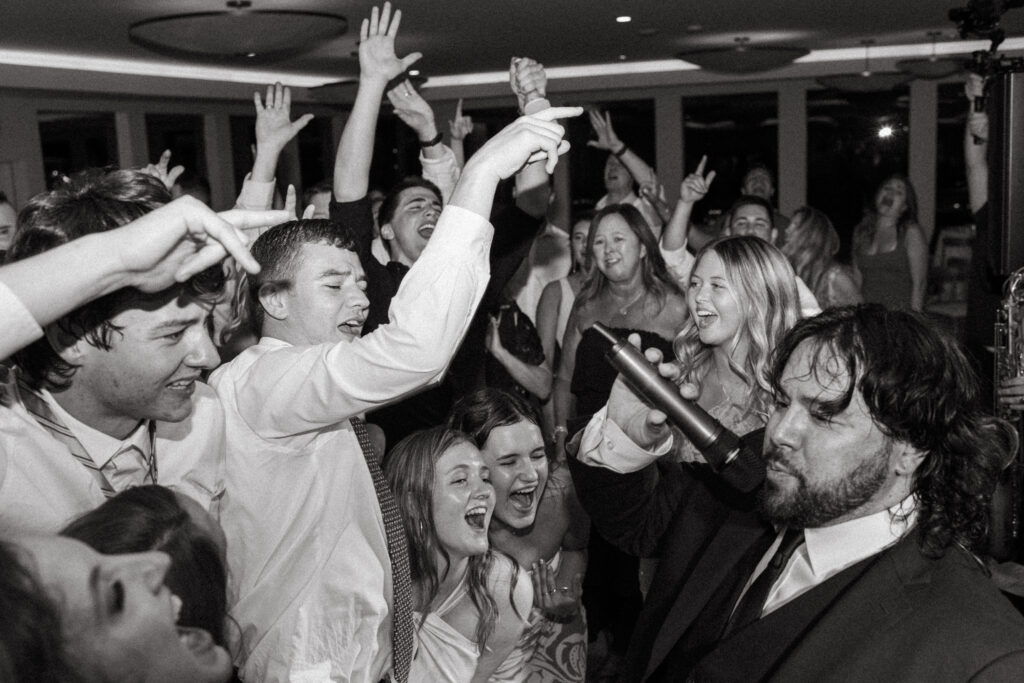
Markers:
(176, 323)
(334, 272)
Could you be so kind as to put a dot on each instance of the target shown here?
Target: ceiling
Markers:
(477, 36)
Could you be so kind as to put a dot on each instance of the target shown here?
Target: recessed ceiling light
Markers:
(624, 19)
(414, 72)
(622, 58)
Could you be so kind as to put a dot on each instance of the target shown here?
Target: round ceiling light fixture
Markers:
(743, 58)
(239, 34)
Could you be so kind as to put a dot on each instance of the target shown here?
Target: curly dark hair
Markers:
(919, 389)
(95, 200)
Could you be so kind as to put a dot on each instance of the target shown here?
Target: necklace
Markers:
(623, 310)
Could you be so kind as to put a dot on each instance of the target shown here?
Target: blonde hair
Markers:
(765, 289)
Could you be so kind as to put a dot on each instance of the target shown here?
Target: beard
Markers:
(815, 505)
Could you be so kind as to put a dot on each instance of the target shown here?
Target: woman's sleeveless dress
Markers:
(441, 653)
(887, 276)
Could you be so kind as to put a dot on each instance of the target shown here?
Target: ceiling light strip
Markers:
(210, 73)
(132, 67)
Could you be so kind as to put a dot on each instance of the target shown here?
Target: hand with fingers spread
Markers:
(696, 185)
(606, 137)
(414, 111)
(160, 170)
(377, 58)
(274, 127)
(461, 125)
(528, 80)
(558, 601)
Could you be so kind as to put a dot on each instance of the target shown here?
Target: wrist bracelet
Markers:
(432, 141)
(620, 151)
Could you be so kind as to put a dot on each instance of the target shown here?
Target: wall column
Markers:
(922, 157)
(668, 131)
(792, 181)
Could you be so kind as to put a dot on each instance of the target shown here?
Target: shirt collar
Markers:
(832, 548)
(100, 447)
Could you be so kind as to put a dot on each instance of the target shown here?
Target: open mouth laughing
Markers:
(477, 517)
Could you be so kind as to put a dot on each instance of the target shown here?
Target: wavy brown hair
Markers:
(410, 472)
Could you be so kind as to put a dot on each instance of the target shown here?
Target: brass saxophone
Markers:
(1009, 363)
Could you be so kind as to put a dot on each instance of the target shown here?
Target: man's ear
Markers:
(387, 232)
(70, 349)
(274, 300)
(906, 459)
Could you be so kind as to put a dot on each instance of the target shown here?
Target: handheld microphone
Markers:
(728, 456)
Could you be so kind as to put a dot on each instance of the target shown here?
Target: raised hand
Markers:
(527, 139)
(606, 137)
(414, 111)
(185, 237)
(160, 171)
(696, 185)
(274, 127)
(461, 125)
(377, 58)
(528, 80)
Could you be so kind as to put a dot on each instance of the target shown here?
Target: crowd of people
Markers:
(378, 438)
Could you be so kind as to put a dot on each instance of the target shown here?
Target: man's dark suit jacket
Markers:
(898, 616)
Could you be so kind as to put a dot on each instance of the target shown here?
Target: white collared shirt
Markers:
(43, 487)
(308, 554)
(550, 259)
(19, 327)
(826, 551)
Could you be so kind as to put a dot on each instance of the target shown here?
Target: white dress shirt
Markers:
(43, 487)
(826, 551)
(550, 259)
(19, 327)
(308, 554)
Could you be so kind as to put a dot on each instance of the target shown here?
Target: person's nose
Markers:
(203, 353)
(783, 428)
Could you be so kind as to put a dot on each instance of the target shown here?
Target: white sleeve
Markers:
(605, 445)
(298, 389)
(443, 172)
(255, 196)
(20, 328)
(679, 263)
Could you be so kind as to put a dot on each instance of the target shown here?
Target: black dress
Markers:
(611, 588)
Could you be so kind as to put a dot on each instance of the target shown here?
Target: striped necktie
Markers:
(36, 405)
(398, 551)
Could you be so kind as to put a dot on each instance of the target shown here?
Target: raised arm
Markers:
(458, 129)
(976, 145)
(693, 189)
(535, 378)
(167, 245)
(378, 64)
(428, 316)
(439, 163)
(610, 142)
(529, 84)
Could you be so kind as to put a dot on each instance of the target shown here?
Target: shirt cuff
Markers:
(605, 445)
(679, 263)
(20, 328)
(459, 229)
(255, 196)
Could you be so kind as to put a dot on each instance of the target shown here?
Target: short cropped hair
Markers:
(920, 389)
(277, 250)
(391, 199)
(89, 202)
(745, 200)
